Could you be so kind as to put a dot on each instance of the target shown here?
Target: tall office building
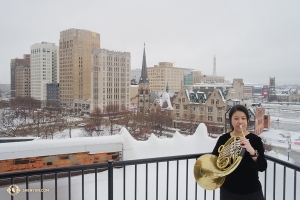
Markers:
(75, 47)
(165, 74)
(44, 67)
(25, 62)
(22, 81)
(110, 79)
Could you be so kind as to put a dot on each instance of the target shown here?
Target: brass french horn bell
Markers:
(204, 172)
(210, 171)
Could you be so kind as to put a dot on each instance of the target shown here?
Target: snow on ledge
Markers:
(199, 142)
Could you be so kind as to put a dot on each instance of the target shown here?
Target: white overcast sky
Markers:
(252, 39)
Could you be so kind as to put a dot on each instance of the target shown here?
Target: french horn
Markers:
(210, 171)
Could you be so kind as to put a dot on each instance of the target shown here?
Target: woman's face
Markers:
(239, 118)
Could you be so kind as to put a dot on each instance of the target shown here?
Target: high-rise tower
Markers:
(110, 79)
(215, 68)
(75, 68)
(43, 66)
(144, 88)
(25, 62)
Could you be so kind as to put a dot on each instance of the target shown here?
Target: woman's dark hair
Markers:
(238, 108)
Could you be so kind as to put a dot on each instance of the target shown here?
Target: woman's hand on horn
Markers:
(246, 144)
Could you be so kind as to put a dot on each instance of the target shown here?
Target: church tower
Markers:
(144, 88)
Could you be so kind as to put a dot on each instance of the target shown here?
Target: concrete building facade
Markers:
(237, 89)
(110, 79)
(22, 81)
(25, 62)
(194, 106)
(165, 74)
(75, 47)
(44, 67)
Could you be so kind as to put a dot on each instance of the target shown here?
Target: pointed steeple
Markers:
(144, 76)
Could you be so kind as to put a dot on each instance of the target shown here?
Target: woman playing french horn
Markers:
(243, 183)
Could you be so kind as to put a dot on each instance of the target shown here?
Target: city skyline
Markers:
(251, 40)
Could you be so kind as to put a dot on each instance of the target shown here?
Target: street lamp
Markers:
(289, 142)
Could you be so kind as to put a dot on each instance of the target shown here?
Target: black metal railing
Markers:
(154, 178)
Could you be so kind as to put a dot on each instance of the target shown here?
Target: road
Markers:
(293, 154)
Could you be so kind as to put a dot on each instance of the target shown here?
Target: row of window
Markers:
(200, 117)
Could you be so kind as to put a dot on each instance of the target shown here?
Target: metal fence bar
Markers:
(27, 186)
(157, 180)
(110, 166)
(124, 182)
(295, 184)
(146, 181)
(96, 184)
(195, 190)
(55, 186)
(274, 177)
(187, 180)
(69, 184)
(167, 197)
(177, 177)
(284, 181)
(110, 180)
(11, 183)
(265, 184)
(82, 184)
(42, 186)
(135, 182)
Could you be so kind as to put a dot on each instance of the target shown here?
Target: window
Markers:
(177, 106)
(210, 109)
(183, 99)
(177, 115)
(212, 101)
(210, 118)
(219, 119)
(184, 107)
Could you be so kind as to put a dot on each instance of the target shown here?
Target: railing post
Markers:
(110, 180)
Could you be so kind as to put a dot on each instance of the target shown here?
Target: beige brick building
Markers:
(202, 78)
(75, 47)
(22, 81)
(163, 74)
(110, 79)
(134, 90)
(194, 106)
(25, 62)
(237, 90)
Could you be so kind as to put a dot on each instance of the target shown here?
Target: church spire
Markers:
(144, 76)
